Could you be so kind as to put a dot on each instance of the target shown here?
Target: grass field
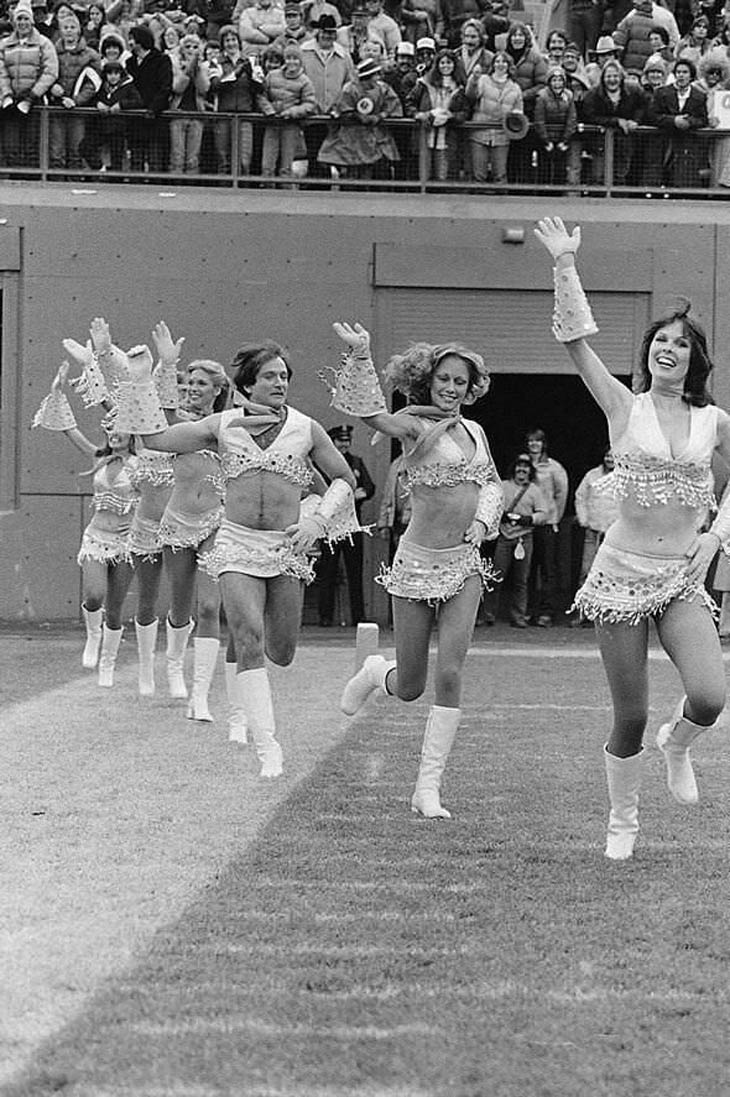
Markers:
(314, 939)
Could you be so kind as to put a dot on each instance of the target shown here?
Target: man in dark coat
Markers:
(679, 110)
(151, 72)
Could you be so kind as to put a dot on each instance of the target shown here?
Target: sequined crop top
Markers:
(204, 465)
(153, 467)
(117, 495)
(285, 457)
(645, 468)
(444, 463)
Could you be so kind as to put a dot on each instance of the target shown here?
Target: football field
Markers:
(171, 925)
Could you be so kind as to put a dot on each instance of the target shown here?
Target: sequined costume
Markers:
(627, 586)
(262, 553)
(115, 497)
(421, 573)
(198, 477)
(153, 479)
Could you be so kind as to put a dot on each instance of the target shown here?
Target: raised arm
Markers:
(573, 322)
(55, 413)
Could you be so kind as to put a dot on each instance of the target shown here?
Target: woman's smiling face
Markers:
(450, 383)
(670, 352)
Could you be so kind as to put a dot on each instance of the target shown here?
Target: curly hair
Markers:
(249, 359)
(700, 363)
(412, 371)
(219, 378)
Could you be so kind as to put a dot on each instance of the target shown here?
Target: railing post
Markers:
(608, 154)
(423, 157)
(235, 149)
(44, 143)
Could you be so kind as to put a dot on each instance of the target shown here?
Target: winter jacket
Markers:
(294, 94)
(632, 36)
(555, 117)
(28, 69)
(152, 77)
(664, 108)
(239, 95)
(531, 70)
(329, 73)
(599, 110)
(260, 26)
(492, 102)
(182, 77)
(71, 63)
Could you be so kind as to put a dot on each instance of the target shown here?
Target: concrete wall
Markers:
(223, 268)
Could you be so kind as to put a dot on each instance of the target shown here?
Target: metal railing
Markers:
(48, 145)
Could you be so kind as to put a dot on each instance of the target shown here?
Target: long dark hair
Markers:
(700, 363)
(435, 77)
(249, 360)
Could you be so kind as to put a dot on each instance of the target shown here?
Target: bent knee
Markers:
(281, 656)
(706, 709)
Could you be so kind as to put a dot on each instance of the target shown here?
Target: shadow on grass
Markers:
(356, 949)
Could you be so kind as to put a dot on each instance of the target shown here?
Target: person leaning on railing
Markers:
(28, 69)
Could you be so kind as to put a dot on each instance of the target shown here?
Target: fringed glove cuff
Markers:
(354, 386)
(572, 316)
(489, 508)
(138, 409)
(54, 413)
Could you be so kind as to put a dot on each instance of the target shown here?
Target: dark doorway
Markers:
(558, 403)
(575, 426)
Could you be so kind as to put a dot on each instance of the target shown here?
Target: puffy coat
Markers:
(294, 94)
(632, 36)
(241, 94)
(555, 116)
(492, 102)
(28, 69)
(71, 63)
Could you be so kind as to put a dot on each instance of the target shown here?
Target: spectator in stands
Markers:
(152, 75)
(618, 105)
(329, 66)
(42, 18)
(472, 55)
(495, 21)
(28, 70)
(124, 14)
(440, 104)
(555, 45)
(112, 46)
(654, 75)
(289, 96)
(261, 24)
(633, 32)
(530, 72)
(218, 14)
(659, 42)
(78, 80)
(355, 34)
(721, 41)
(552, 480)
(402, 77)
(295, 31)
(238, 92)
(93, 25)
(312, 10)
(425, 55)
(679, 110)
(456, 13)
(584, 23)
(382, 26)
(359, 141)
(697, 43)
(494, 95)
(714, 78)
(109, 129)
(170, 41)
(556, 121)
(578, 85)
(190, 87)
(422, 18)
(606, 50)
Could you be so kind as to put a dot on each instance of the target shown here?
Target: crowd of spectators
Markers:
(180, 86)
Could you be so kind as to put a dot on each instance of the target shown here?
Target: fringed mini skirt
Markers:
(104, 546)
(626, 587)
(434, 575)
(144, 537)
(263, 553)
(179, 530)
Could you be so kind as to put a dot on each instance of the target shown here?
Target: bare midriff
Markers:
(441, 516)
(262, 500)
(666, 529)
